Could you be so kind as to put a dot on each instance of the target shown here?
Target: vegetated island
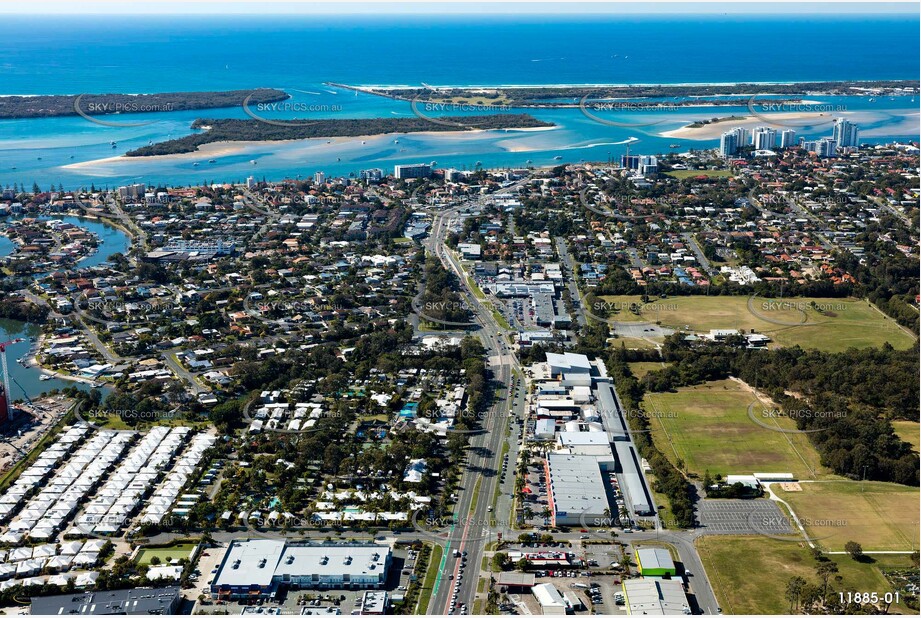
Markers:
(234, 130)
(47, 106)
(679, 95)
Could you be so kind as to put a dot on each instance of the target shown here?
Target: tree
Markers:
(825, 570)
(501, 561)
(523, 565)
(854, 549)
(794, 592)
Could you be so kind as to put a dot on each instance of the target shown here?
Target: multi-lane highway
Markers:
(473, 510)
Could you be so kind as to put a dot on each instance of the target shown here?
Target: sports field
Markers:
(708, 427)
(165, 554)
(829, 324)
(908, 431)
(879, 516)
(749, 574)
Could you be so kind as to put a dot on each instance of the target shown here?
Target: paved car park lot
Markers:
(742, 517)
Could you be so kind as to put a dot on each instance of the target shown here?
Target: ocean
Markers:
(100, 54)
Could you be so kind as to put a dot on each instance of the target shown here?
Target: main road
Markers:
(473, 510)
(477, 524)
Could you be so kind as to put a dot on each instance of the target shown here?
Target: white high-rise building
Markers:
(764, 138)
(319, 178)
(826, 147)
(787, 138)
(417, 170)
(743, 134)
(729, 144)
(845, 133)
(250, 182)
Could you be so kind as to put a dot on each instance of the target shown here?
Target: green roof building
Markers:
(654, 562)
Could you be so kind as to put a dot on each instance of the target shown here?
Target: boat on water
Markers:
(212, 160)
(674, 145)
(557, 158)
(44, 378)
(363, 142)
(253, 161)
(195, 164)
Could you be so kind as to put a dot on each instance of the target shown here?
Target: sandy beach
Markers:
(713, 130)
(204, 152)
(214, 150)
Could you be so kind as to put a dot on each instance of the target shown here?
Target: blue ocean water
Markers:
(49, 55)
(98, 54)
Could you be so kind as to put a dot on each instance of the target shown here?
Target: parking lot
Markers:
(596, 595)
(537, 498)
(742, 517)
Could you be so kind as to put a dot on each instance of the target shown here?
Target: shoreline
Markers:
(213, 150)
(615, 85)
(32, 361)
(714, 130)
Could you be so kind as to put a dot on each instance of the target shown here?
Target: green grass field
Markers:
(428, 584)
(636, 343)
(843, 324)
(708, 427)
(879, 516)
(165, 554)
(908, 431)
(749, 574)
(641, 369)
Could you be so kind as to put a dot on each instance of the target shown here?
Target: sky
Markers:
(223, 7)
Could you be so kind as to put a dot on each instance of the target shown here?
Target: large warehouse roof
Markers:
(576, 484)
(634, 485)
(241, 563)
(568, 362)
(655, 597)
(655, 558)
(257, 561)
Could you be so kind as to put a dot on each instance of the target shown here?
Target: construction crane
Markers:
(8, 394)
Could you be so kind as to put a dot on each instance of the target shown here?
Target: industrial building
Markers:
(550, 600)
(576, 490)
(634, 483)
(131, 602)
(373, 603)
(256, 568)
(654, 561)
(571, 369)
(656, 597)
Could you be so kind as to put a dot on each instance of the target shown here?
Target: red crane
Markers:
(7, 399)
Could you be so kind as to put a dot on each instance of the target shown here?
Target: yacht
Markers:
(44, 378)
(557, 158)
(212, 160)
